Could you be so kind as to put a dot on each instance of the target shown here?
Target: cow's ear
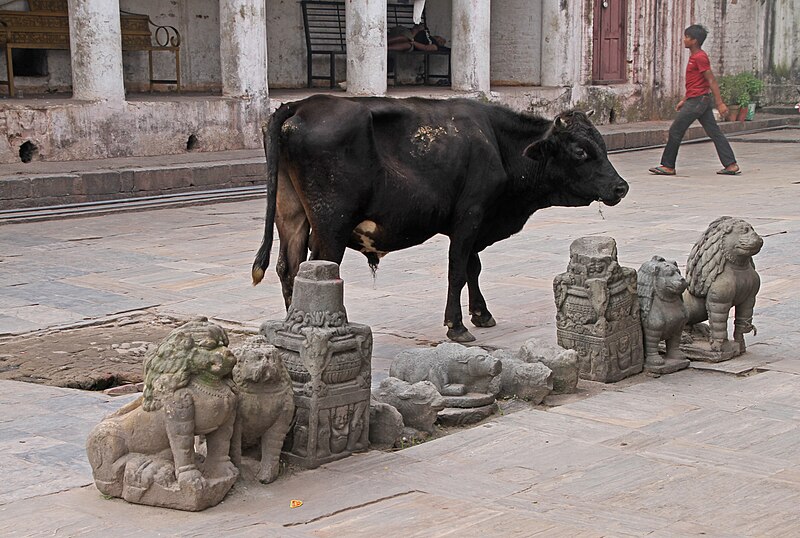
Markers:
(590, 113)
(537, 150)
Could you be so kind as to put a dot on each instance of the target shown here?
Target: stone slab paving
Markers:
(644, 460)
(696, 452)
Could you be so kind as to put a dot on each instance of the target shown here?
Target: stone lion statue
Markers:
(145, 452)
(663, 314)
(266, 404)
(721, 274)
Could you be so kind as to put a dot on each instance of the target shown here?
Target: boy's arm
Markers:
(712, 81)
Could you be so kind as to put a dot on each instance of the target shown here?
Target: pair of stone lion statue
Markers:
(194, 387)
(720, 275)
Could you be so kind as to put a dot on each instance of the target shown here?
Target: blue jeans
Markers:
(696, 108)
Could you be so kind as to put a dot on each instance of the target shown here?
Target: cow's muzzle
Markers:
(616, 193)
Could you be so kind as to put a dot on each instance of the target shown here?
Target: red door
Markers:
(608, 60)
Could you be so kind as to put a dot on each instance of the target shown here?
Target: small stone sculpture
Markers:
(385, 425)
(266, 405)
(418, 403)
(598, 311)
(663, 314)
(467, 377)
(329, 361)
(527, 381)
(563, 362)
(721, 275)
(455, 370)
(145, 452)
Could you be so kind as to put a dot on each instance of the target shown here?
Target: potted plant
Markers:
(750, 88)
(729, 92)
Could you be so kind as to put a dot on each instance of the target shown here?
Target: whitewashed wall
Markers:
(516, 43)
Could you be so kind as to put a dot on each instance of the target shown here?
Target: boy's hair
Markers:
(697, 32)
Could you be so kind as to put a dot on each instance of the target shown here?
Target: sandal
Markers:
(661, 171)
(726, 172)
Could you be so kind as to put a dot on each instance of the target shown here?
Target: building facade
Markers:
(623, 58)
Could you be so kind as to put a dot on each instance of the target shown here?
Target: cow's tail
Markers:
(272, 149)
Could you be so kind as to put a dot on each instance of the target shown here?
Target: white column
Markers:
(470, 45)
(96, 49)
(243, 47)
(366, 47)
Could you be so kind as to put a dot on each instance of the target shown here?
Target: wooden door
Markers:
(608, 59)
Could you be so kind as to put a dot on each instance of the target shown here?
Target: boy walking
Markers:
(697, 105)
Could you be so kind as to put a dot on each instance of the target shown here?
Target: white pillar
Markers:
(470, 45)
(243, 47)
(96, 50)
(366, 47)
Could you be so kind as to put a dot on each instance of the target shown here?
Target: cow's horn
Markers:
(590, 113)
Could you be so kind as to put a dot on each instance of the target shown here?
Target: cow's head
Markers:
(576, 162)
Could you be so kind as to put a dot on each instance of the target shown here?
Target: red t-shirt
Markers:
(696, 83)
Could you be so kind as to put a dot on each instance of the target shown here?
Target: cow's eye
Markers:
(580, 154)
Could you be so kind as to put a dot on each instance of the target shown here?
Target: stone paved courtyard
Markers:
(713, 450)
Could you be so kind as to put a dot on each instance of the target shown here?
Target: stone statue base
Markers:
(151, 481)
(702, 351)
(668, 367)
(696, 346)
(461, 416)
(472, 399)
(607, 359)
(341, 426)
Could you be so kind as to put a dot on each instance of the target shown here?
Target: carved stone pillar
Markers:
(96, 50)
(243, 47)
(330, 363)
(366, 47)
(470, 51)
(598, 311)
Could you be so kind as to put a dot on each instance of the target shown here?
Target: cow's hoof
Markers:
(461, 336)
(485, 320)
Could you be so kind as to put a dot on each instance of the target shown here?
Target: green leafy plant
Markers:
(727, 89)
(750, 88)
(740, 89)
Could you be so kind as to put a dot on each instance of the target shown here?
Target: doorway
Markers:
(608, 58)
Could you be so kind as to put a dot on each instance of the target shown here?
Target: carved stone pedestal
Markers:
(695, 346)
(598, 311)
(668, 366)
(330, 363)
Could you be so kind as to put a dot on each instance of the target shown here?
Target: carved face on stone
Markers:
(743, 240)
(597, 267)
(670, 279)
(484, 365)
(341, 418)
(256, 365)
(211, 353)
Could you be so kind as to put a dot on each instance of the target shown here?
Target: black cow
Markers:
(379, 175)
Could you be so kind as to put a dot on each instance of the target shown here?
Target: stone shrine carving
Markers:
(598, 311)
(266, 405)
(145, 451)
(663, 314)
(329, 362)
(721, 275)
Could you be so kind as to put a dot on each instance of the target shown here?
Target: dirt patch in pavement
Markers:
(96, 357)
